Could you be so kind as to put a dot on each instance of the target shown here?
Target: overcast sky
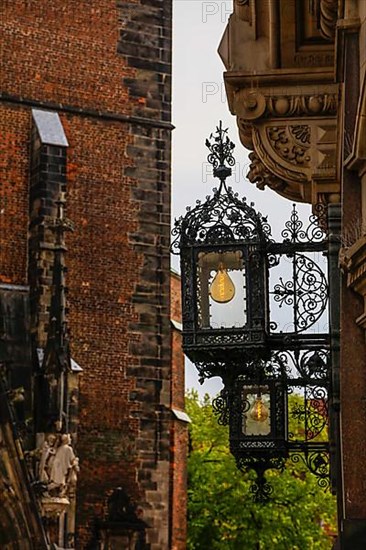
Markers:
(199, 103)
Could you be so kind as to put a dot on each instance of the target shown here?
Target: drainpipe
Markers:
(334, 227)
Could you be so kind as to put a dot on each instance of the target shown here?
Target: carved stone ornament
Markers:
(356, 143)
(328, 13)
(246, 133)
(262, 177)
(300, 155)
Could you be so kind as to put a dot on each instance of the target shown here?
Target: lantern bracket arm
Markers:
(290, 248)
(295, 341)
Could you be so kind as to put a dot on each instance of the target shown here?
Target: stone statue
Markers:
(72, 477)
(48, 452)
(58, 466)
(64, 462)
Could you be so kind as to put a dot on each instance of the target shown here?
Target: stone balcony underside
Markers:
(280, 85)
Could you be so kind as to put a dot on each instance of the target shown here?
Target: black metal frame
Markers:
(293, 359)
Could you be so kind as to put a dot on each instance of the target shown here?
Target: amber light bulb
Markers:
(259, 412)
(222, 289)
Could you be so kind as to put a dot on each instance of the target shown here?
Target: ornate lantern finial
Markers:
(220, 155)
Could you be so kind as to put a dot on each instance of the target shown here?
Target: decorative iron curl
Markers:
(284, 292)
(314, 416)
(273, 259)
(306, 292)
(260, 489)
(295, 232)
(273, 326)
(314, 365)
(220, 407)
(318, 221)
(208, 369)
(278, 365)
(317, 463)
(311, 290)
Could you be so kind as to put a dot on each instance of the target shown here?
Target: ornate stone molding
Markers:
(252, 105)
(273, 144)
(54, 507)
(245, 133)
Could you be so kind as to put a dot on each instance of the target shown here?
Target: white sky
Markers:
(199, 103)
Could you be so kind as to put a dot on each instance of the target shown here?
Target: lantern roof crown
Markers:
(223, 218)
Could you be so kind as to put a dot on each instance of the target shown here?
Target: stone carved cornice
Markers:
(245, 133)
(291, 143)
(272, 144)
(245, 10)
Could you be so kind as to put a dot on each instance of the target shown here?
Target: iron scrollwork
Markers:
(307, 292)
(223, 218)
(317, 462)
(296, 233)
(261, 489)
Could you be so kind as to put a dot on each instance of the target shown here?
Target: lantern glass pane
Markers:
(221, 290)
(257, 411)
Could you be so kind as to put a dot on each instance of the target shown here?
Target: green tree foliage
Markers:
(221, 514)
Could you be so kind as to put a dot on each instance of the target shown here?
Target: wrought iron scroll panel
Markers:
(306, 358)
(300, 358)
(301, 286)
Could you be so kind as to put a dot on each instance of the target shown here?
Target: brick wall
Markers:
(15, 127)
(105, 68)
(179, 429)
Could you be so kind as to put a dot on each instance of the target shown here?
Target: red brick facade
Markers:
(179, 432)
(105, 68)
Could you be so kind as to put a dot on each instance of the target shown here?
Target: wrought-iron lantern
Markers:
(224, 269)
(226, 256)
(258, 422)
(254, 406)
